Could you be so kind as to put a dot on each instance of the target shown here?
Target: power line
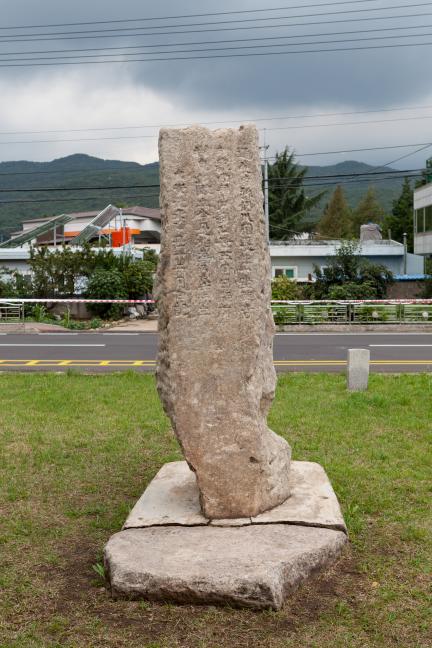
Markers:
(217, 42)
(59, 59)
(307, 184)
(217, 56)
(227, 22)
(49, 189)
(89, 35)
(353, 123)
(141, 169)
(217, 13)
(360, 150)
(389, 173)
(277, 128)
(67, 200)
(75, 170)
(228, 121)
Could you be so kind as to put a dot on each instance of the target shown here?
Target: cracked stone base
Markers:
(168, 551)
(255, 566)
(172, 497)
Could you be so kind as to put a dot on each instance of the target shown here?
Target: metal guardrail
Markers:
(402, 311)
(352, 312)
(11, 313)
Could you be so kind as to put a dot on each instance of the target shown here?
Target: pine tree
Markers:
(367, 211)
(336, 220)
(288, 202)
(401, 219)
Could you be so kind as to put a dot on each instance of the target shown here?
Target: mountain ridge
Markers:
(81, 170)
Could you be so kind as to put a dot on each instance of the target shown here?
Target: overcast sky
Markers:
(223, 89)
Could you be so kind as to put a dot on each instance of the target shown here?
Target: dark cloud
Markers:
(360, 79)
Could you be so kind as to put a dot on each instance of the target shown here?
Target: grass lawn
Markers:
(76, 451)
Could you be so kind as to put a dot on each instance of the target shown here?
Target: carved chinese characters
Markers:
(215, 368)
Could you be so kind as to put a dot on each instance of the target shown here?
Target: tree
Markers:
(367, 211)
(288, 202)
(336, 220)
(60, 272)
(348, 274)
(6, 284)
(401, 219)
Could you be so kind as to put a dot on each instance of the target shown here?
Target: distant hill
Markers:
(386, 190)
(86, 171)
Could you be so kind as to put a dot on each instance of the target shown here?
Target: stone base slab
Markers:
(254, 566)
(172, 498)
(168, 550)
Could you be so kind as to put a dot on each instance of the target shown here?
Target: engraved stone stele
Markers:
(235, 524)
(215, 373)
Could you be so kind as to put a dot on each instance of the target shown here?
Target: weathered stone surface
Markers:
(358, 369)
(172, 497)
(215, 370)
(312, 501)
(252, 566)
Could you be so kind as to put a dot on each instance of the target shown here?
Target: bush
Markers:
(279, 316)
(348, 274)
(352, 291)
(284, 288)
(138, 279)
(107, 284)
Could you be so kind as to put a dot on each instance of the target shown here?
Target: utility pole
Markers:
(122, 225)
(266, 190)
(405, 253)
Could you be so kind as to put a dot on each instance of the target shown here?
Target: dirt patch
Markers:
(84, 600)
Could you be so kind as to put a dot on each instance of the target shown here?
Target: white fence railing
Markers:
(402, 311)
(11, 312)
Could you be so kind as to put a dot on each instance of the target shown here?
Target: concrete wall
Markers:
(15, 264)
(405, 290)
(423, 243)
(422, 240)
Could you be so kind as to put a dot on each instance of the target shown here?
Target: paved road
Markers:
(102, 352)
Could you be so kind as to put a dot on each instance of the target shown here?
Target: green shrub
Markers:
(138, 279)
(279, 316)
(351, 290)
(107, 284)
(284, 288)
(95, 323)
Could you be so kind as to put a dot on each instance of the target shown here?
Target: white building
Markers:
(143, 223)
(296, 258)
(423, 220)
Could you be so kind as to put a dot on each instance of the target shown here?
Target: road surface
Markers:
(102, 352)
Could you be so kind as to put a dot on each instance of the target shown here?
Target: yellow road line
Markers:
(152, 363)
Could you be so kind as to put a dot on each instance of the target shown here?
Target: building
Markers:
(18, 258)
(142, 224)
(296, 258)
(423, 220)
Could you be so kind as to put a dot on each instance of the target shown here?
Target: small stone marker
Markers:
(358, 369)
(215, 371)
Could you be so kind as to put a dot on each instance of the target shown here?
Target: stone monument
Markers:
(237, 522)
(215, 370)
